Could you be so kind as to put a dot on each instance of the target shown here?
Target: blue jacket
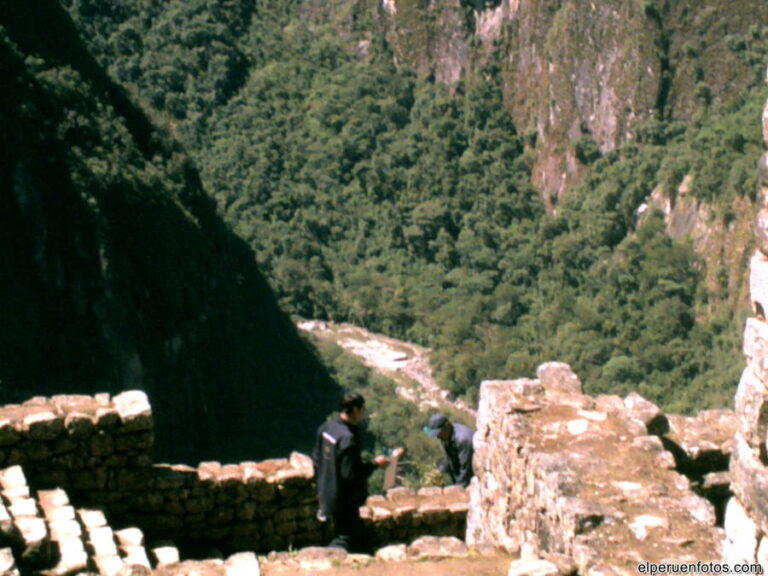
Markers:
(458, 455)
(340, 472)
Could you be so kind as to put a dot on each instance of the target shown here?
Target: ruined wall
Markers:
(746, 520)
(561, 475)
(99, 450)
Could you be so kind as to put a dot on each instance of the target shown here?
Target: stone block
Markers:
(34, 537)
(262, 491)
(88, 480)
(9, 435)
(8, 563)
(246, 511)
(392, 553)
(164, 555)
(102, 541)
(400, 493)
(654, 420)
(302, 463)
(65, 529)
(91, 518)
(63, 445)
(286, 528)
(198, 505)
(23, 507)
(135, 442)
(174, 477)
(37, 451)
(12, 478)
(6, 524)
(68, 403)
(437, 547)
(79, 425)
(429, 491)
(136, 556)
(107, 418)
(242, 564)
(101, 444)
(741, 533)
(43, 426)
(135, 479)
(558, 378)
(108, 565)
(221, 516)
(73, 559)
(134, 410)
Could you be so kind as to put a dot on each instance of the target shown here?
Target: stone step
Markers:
(165, 554)
(131, 546)
(65, 532)
(22, 523)
(100, 542)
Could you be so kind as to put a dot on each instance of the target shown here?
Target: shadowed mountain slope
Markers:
(116, 271)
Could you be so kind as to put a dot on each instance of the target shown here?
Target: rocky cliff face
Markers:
(578, 68)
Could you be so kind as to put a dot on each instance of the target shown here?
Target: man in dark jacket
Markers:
(457, 445)
(341, 473)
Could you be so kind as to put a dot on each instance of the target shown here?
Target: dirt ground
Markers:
(490, 566)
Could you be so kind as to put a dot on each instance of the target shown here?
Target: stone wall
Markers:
(99, 450)
(746, 520)
(561, 475)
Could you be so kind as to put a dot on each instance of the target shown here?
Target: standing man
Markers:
(457, 445)
(342, 475)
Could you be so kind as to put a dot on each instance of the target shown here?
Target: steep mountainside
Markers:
(580, 68)
(387, 160)
(117, 272)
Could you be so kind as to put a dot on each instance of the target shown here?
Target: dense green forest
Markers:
(375, 196)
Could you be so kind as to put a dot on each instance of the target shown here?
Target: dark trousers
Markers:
(349, 532)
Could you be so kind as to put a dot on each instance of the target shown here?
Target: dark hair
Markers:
(352, 400)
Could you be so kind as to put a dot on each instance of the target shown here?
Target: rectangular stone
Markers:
(165, 555)
(130, 537)
(52, 498)
(108, 565)
(102, 541)
(134, 410)
(92, 518)
(13, 478)
(23, 507)
(65, 529)
(136, 555)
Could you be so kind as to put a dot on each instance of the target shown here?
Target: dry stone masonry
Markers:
(565, 479)
(746, 519)
(97, 452)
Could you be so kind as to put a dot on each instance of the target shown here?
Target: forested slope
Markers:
(117, 271)
(373, 193)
